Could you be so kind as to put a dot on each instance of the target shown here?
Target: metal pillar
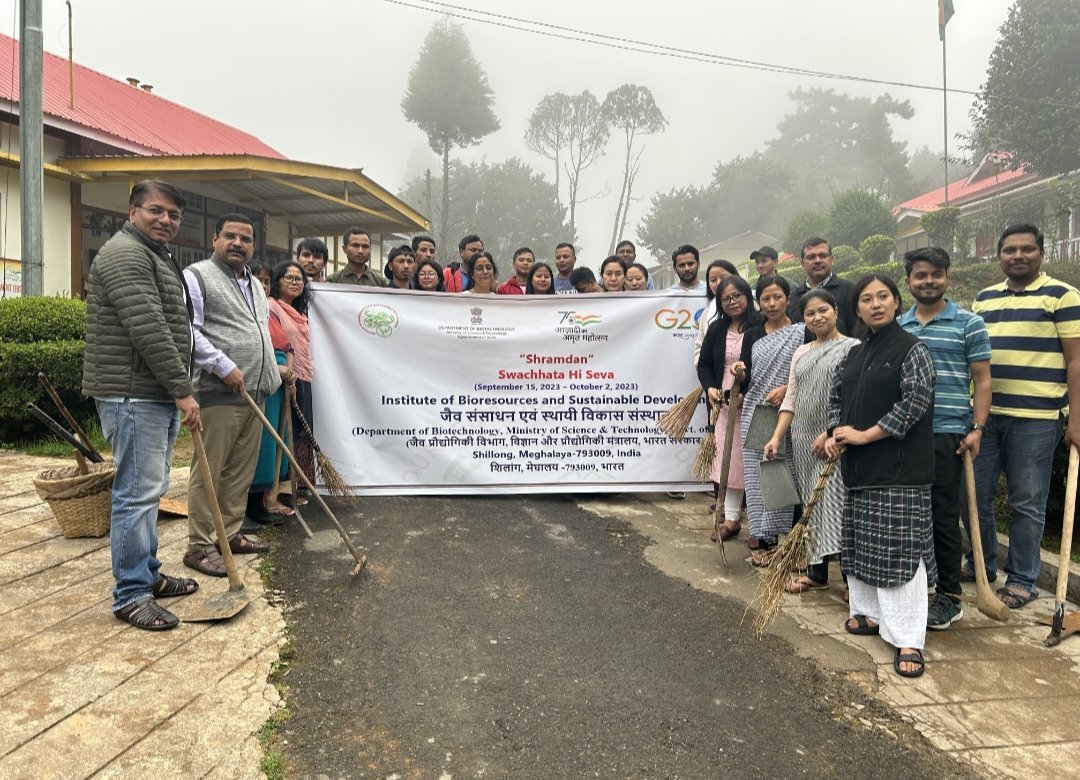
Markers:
(31, 151)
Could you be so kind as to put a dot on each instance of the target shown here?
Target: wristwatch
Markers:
(978, 427)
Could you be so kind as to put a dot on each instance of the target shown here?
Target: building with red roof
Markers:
(103, 134)
(993, 185)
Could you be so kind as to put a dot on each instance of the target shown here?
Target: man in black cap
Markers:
(766, 260)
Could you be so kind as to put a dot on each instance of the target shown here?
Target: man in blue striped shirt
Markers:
(1034, 326)
(960, 347)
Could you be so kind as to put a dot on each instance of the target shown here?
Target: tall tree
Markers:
(677, 217)
(448, 97)
(588, 135)
(633, 110)
(508, 204)
(574, 126)
(1030, 102)
(547, 134)
(858, 213)
(838, 142)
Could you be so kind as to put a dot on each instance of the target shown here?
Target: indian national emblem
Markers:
(476, 312)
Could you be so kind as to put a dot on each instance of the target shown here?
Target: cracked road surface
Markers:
(522, 637)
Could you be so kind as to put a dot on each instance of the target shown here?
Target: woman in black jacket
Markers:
(881, 421)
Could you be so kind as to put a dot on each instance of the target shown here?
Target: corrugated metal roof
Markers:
(139, 121)
(989, 178)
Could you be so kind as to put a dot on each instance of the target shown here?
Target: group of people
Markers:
(474, 271)
(896, 397)
(204, 347)
(842, 372)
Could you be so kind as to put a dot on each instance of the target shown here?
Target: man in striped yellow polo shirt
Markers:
(1034, 326)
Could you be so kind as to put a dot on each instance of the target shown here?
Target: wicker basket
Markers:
(81, 503)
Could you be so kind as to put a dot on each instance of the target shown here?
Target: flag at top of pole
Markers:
(945, 12)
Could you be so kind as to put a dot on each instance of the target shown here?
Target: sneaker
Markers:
(677, 494)
(943, 613)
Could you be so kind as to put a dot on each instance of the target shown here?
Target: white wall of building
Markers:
(56, 218)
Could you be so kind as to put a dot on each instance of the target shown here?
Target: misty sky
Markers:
(322, 80)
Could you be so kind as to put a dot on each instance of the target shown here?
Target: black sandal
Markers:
(862, 627)
(166, 587)
(149, 615)
(909, 658)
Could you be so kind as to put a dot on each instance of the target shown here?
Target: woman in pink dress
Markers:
(721, 350)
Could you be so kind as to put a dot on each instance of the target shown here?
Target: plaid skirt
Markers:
(886, 532)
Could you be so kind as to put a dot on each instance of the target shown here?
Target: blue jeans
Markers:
(1024, 450)
(142, 435)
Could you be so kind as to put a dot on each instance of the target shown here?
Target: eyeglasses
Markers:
(157, 213)
(733, 298)
(428, 275)
(292, 279)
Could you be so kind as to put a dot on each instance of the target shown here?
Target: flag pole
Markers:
(945, 112)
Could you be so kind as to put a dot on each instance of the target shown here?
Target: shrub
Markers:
(40, 334)
(25, 320)
(845, 258)
(877, 249)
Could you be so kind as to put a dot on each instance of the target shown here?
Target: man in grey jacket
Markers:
(234, 355)
(137, 368)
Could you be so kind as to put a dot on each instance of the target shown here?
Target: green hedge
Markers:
(40, 334)
(24, 320)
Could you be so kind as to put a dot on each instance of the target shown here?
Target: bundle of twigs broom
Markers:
(335, 483)
(676, 420)
(734, 408)
(706, 451)
(786, 556)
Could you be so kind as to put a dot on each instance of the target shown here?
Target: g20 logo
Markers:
(676, 319)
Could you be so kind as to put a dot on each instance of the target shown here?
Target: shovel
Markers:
(989, 604)
(231, 602)
(1061, 625)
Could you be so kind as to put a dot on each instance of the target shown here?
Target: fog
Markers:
(322, 81)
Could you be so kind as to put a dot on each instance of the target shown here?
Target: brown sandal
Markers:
(760, 559)
(207, 561)
(804, 585)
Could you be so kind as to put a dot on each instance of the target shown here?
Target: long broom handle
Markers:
(981, 580)
(360, 559)
(276, 488)
(283, 430)
(44, 381)
(215, 510)
(292, 483)
(819, 488)
(1066, 538)
(734, 405)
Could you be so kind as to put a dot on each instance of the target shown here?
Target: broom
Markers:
(787, 554)
(676, 420)
(734, 407)
(706, 451)
(336, 484)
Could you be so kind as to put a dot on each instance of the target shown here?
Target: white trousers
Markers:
(899, 611)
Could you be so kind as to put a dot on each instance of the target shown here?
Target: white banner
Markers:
(438, 393)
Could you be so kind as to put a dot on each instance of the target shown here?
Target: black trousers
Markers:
(945, 497)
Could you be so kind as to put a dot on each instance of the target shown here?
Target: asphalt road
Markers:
(524, 638)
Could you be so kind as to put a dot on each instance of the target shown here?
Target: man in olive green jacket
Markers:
(137, 368)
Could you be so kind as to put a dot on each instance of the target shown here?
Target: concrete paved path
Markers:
(992, 694)
(83, 694)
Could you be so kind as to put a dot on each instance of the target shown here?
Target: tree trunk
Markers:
(444, 228)
(622, 194)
